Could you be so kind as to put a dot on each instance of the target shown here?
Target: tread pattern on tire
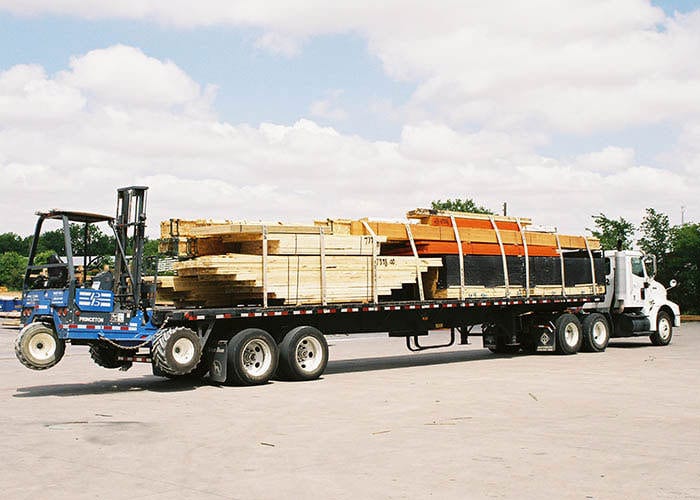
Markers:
(105, 356)
(159, 356)
(158, 344)
(60, 348)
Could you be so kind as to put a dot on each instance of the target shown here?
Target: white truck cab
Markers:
(635, 303)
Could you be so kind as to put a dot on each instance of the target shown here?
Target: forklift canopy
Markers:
(75, 216)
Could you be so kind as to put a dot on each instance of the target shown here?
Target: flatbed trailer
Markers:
(250, 344)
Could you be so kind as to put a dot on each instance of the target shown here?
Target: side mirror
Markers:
(672, 284)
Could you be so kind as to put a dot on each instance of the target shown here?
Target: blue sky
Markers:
(258, 86)
(253, 85)
(513, 105)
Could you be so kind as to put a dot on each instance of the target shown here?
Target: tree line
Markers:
(14, 250)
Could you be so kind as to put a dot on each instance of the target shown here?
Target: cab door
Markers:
(639, 281)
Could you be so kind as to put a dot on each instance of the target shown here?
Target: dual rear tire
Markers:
(254, 357)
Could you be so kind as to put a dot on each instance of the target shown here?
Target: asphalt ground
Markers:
(381, 423)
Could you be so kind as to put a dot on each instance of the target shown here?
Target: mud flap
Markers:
(546, 342)
(219, 362)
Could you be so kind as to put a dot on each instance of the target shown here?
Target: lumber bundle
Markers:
(232, 279)
(228, 263)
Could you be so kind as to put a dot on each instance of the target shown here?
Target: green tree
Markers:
(52, 240)
(656, 234)
(150, 247)
(11, 242)
(458, 205)
(610, 231)
(12, 268)
(99, 243)
(681, 264)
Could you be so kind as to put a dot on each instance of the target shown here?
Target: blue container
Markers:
(9, 305)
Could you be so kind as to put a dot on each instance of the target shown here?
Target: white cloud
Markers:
(610, 159)
(279, 44)
(328, 108)
(200, 167)
(125, 75)
(576, 66)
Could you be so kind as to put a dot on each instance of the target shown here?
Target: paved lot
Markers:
(382, 423)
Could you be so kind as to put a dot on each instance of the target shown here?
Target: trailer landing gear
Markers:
(38, 346)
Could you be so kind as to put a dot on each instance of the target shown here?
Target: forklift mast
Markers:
(130, 228)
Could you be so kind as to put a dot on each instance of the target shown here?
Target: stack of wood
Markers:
(231, 263)
(482, 242)
(227, 263)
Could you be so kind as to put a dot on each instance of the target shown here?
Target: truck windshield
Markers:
(638, 267)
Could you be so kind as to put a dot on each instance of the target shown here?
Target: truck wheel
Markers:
(38, 347)
(176, 351)
(664, 329)
(596, 333)
(567, 329)
(105, 356)
(252, 357)
(303, 354)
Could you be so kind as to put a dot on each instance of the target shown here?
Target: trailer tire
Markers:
(568, 332)
(252, 357)
(303, 354)
(596, 333)
(176, 351)
(664, 329)
(38, 347)
(105, 356)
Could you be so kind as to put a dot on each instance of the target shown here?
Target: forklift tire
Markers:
(176, 351)
(38, 347)
(105, 356)
(252, 357)
(568, 332)
(664, 329)
(596, 333)
(303, 354)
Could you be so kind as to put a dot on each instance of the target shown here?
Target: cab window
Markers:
(638, 267)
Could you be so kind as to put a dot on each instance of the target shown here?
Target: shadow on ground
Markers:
(146, 383)
(410, 360)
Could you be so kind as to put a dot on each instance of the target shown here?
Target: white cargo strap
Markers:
(460, 253)
(561, 261)
(527, 258)
(375, 297)
(264, 264)
(506, 279)
(322, 245)
(419, 280)
(590, 257)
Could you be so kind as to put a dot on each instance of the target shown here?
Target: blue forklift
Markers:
(112, 312)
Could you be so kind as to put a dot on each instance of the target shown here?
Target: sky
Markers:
(300, 109)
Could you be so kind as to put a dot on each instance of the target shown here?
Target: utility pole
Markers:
(505, 208)
(682, 215)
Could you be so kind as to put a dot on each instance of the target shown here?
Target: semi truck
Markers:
(116, 315)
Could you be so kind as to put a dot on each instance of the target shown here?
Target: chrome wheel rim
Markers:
(664, 328)
(571, 334)
(309, 354)
(600, 333)
(42, 347)
(257, 357)
(183, 351)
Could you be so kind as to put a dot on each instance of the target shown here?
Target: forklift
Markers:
(112, 312)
